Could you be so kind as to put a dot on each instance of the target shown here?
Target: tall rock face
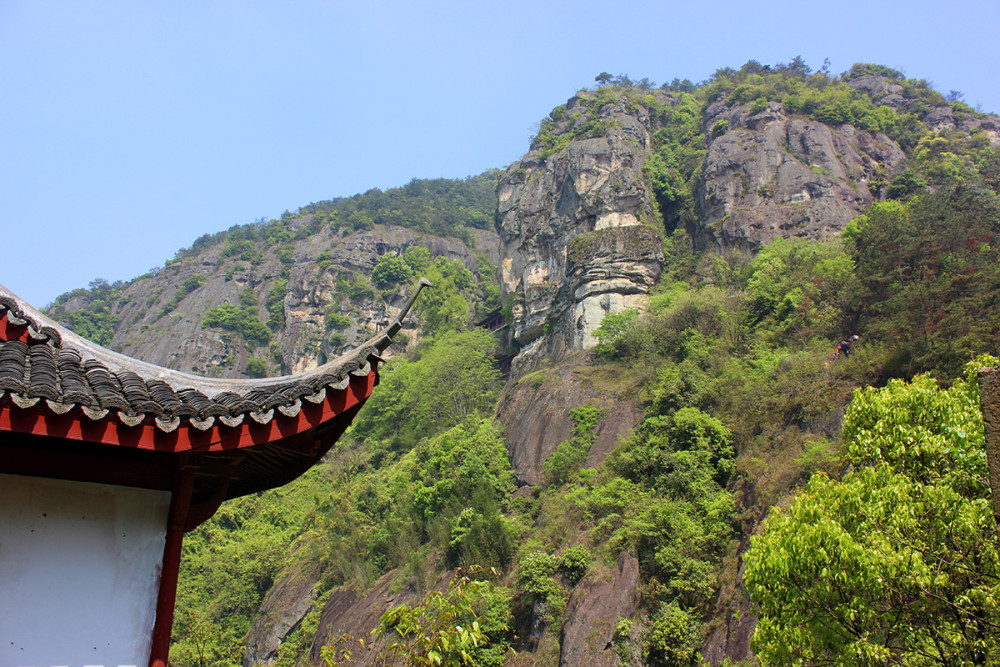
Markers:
(767, 176)
(573, 243)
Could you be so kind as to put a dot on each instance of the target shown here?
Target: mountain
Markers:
(673, 267)
(295, 291)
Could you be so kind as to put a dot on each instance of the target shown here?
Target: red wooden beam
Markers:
(180, 502)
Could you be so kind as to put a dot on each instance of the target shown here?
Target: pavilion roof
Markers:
(60, 387)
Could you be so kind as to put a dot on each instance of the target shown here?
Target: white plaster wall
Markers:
(79, 572)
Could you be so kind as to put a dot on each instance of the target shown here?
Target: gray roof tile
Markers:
(68, 371)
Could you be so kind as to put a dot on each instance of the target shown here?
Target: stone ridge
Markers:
(39, 360)
(178, 340)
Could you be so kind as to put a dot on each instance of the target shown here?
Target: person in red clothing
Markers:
(844, 347)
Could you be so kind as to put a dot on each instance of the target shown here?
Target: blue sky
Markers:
(128, 129)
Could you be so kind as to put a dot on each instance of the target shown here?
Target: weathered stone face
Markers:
(770, 177)
(179, 341)
(566, 263)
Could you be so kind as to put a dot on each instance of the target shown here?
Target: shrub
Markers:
(391, 270)
(256, 367)
(276, 305)
(243, 321)
(672, 638)
(564, 464)
(758, 105)
(613, 334)
(337, 322)
(574, 563)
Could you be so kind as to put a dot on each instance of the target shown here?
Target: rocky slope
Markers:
(314, 289)
(301, 287)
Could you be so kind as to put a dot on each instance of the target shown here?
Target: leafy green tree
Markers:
(454, 377)
(906, 185)
(564, 463)
(929, 272)
(460, 466)
(390, 271)
(895, 564)
(242, 320)
(931, 434)
(417, 258)
(446, 629)
(536, 574)
(672, 638)
(94, 319)
(801, 288)
(256, 367)
(611, 333)
(276, 304)
(443, 307)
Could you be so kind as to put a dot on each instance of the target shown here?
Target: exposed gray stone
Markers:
(595, 606)
(769, 177)
(545, 203)
(283, 608)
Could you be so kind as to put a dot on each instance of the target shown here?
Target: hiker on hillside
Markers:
(844, 347)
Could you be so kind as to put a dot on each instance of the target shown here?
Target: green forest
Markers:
(844, 500)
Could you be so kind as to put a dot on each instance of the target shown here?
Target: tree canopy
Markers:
(895, 563)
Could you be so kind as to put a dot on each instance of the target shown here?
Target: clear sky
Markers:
(130, 128)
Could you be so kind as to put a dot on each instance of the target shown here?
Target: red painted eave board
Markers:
(74, 425)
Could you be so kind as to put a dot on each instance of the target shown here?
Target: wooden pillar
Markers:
(180, 502)
(989, 404)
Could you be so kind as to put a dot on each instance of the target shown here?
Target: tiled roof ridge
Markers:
(68, 371)
(47, 332)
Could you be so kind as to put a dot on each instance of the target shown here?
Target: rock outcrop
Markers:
(889, 92)
(536, 412)
(349, 616)
(597, 602)
(281, 612)
(771, 176)
(574, 245)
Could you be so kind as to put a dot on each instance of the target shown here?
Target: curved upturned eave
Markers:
(211, 387)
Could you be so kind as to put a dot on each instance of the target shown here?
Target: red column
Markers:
(180, 501)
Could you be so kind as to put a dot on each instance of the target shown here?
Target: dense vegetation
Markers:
(738, 384)
(88, 312)
(895, 563)
(385, 499)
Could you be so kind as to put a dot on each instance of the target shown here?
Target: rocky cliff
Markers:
(313, 290)
(295, 291)
(578, 239)
(768, 176)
